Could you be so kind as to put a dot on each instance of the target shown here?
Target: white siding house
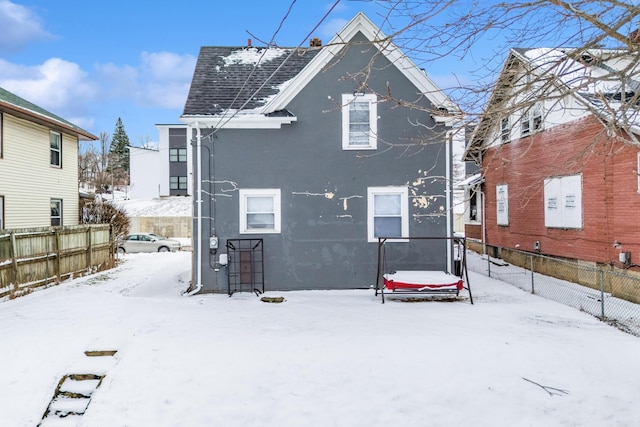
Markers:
(38, 165)
(144, 173)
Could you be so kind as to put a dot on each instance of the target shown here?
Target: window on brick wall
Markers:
(502, 204)
(563, 202)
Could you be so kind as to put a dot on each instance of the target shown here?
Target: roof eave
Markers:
(361, 23)
(42, 119)
(247, 121)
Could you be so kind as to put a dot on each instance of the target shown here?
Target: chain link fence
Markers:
(610, 295)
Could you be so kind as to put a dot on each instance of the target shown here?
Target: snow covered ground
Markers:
(321, 358)
(163, 206)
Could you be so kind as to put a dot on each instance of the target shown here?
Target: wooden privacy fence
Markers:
(34, 257)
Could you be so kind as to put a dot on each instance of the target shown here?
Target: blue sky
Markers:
(92, 62)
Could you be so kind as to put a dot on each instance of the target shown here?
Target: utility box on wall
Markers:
(624, 257)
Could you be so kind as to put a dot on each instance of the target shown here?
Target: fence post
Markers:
(89, 249)
(488, 265)
(14, 260)
(602, 294)
(56, 234)
(533, 289)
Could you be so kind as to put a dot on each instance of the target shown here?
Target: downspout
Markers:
(449, 206)
(198, 233)
(484, 213)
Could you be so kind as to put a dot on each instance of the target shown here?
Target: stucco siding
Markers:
(28, 181)
(323, 242)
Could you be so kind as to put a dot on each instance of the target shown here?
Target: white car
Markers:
(147, 242)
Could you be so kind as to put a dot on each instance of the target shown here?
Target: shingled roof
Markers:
(229, 79)
(22, 107)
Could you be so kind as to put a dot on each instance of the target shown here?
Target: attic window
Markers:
(359, 121)
(505, 130)
(531, 120)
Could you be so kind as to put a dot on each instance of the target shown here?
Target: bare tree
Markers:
(479, 32)
(94, 165)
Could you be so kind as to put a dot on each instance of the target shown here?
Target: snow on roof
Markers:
(606, 78)
(253, 55)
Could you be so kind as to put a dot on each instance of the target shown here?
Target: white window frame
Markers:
(60, 216)
(563, 202)
(348, 101)
(505, 130)
(404, 211)
(502, 204)
(57, 149)
(531, 120)
(247, 193)
(473, 194)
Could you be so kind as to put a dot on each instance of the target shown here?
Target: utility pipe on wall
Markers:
(198, 233)
(449, 207)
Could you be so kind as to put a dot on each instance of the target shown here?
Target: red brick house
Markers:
(559, 157)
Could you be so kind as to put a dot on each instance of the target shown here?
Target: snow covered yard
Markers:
(321, 358)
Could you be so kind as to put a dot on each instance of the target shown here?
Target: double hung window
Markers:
(388, 212)
(359, 122)
(531, 120)
(260, 211)
(55, 143)
(56, 212)
(505, 130)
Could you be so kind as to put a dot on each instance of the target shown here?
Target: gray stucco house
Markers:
(305, 156)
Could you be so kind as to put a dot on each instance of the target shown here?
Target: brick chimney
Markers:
(249, 42)
(315, 42)
(634, 36)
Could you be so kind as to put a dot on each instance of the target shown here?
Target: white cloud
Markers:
(161, 79)
(331, 28)
(56, 85)
(168, 66)
(20, 26)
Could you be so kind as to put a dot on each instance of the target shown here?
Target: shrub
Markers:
(101, 211)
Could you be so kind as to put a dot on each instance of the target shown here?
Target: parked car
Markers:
(148, 242)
